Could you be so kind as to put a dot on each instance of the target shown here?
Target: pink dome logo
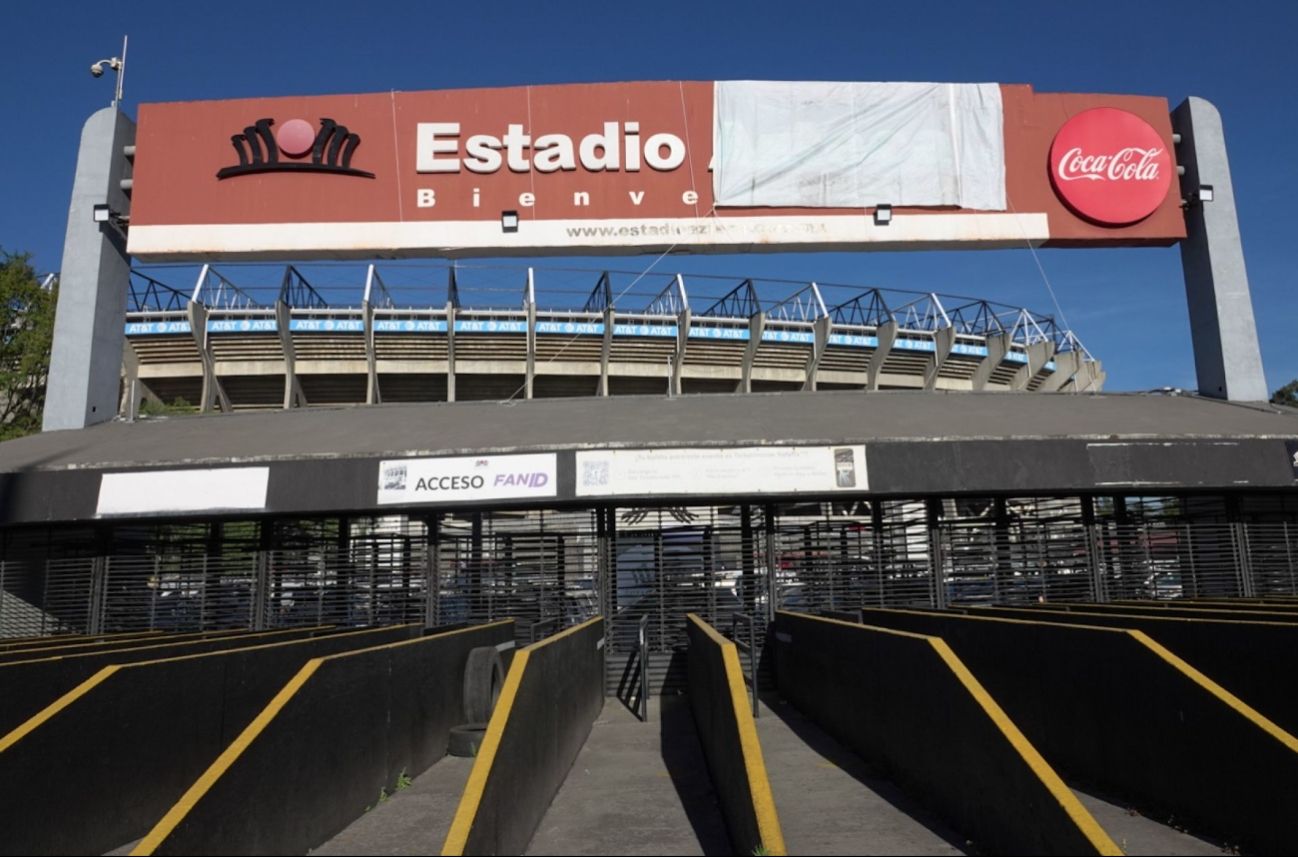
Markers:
(330, 149)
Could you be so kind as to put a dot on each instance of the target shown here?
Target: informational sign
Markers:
(606, 169)
(742, 470)
(165, 491)
(1111, 166)
(458, 480)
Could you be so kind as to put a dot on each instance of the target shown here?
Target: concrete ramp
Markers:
(908, 705)
(1115, 710)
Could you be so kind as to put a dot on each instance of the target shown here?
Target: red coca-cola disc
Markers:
(1110, 166)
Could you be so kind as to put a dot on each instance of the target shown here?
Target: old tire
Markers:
(484, 674)
(466, 739)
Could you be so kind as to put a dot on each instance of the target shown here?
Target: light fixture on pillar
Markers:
(102, 213)
(1200, 196)
(509, 221)
(882, 215)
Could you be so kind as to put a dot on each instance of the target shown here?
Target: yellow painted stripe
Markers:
(146, 648)
(759, 784)
(12, 644)
(55, 707)
(1146, 610)
(457, 837)
(1220, 692)
(976, 618)
(894, 632)
(227, 758)
(195, 793)
(103, 675)
(1086, 823)
(1143, 618)
(273, 645)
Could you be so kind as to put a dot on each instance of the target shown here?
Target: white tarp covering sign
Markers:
(155, 492)
(854, 145)
(744, 470)
(454, 480)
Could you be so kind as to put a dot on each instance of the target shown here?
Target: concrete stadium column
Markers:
(887, 335)
(682, 342)
(997, 345)
(822, 330)
(606, 350)
(943, 342)
(86, 363)
(756, 326)
(1227, 358)
(450, 351)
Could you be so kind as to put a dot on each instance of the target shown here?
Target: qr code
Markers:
(594, 473)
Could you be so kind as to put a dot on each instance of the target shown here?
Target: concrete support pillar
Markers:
(1067, 364)
(606, 351)
(373, 395)
(823, 328)
(450, 352)
(531, 340)
(997, 345)
(756, 326)
(213, 395)
(293, 395)
(1039, 354)
(1227, 358)
(86, 362)
(682, 341)
(1088, 378)
(887, 335)
(943, 341)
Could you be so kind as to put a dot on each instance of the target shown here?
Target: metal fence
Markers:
(550, 569)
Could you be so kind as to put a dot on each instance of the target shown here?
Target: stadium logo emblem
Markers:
(330, 149)
(1110, 166)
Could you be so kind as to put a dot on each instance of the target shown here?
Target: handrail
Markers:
(750, 647)
(642, 643)
(541, 623)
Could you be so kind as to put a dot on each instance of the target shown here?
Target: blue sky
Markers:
(1128, 306)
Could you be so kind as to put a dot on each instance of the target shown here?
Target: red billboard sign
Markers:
(589, 169)
(1110, 166)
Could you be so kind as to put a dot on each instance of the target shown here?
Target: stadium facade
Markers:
(529, 442)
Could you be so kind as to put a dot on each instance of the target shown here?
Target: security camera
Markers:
(98, 68)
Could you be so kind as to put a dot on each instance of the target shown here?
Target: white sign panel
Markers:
(156, 492)
(746, 470)
(455, 480)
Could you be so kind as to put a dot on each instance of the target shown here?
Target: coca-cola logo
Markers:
(1110, 166)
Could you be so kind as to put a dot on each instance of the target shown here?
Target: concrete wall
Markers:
(1256, 661)
(1114, 709)
(127, 742)
(724, 717)
(552, 695)
(344, 727)
(31, 685)
(910, 708)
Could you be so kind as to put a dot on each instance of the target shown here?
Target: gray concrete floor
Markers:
(1137, 835)
(636, 788)
(412, 821)
(829, 801)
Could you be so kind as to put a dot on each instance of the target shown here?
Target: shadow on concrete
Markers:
(683, 757)
(861, 771)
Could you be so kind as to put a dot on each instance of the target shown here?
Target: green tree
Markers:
(1287, 395)
(26, 336)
